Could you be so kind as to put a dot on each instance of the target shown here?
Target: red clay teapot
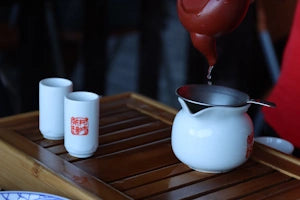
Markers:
(207, 19)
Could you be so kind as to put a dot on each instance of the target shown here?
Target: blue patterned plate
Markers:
(26, 195)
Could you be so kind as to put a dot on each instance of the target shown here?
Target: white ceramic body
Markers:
(276, 143)
(215, 139)
(81, 123)
(51, 106)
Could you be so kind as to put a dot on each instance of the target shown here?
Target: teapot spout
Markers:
(190, 107)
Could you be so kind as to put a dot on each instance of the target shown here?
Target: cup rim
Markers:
(82, 96)
(56, 82)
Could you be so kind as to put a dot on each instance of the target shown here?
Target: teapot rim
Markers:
(235, 98)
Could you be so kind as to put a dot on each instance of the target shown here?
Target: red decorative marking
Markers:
(250, 140)
(79, 125)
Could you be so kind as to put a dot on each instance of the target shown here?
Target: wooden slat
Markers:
(125, 124)
(151, 176)
(108, 120)
(277, 160)
(270, 192)
(131, 131)
(248, 187)
(33, 134)
(22, 119)
(290, 194)
(114, 104)
(58, 149)
(154, 109)
(48, 170)
(133, 142)
(167, 184)
(49, 143)
(221, 181)
(129, 163)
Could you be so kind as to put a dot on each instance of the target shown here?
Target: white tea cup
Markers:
(81, 120)
(51, 106)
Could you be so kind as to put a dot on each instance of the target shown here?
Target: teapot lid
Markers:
(212, 95)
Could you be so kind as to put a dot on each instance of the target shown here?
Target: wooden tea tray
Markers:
(134, 161)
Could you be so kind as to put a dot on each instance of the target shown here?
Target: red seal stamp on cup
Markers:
(79, 125)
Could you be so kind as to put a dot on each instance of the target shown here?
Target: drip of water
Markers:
(209, 81)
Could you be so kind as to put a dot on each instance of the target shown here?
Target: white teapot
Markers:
(213, 132)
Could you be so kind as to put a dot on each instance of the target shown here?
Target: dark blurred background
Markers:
(114, 46)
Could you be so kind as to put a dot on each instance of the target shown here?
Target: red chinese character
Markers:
(249, 144)
(79, 125)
